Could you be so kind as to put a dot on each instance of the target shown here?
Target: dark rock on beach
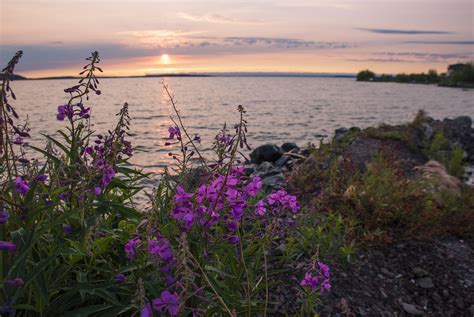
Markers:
(266, 153)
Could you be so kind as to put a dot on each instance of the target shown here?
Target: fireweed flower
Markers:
(67, 229)
(161, 248)
(319, 280)
(7, 246)
(21, 186)
(131, 248)
(4, 215)
(16, 282)
(260, 209)
(120, 278)
(167, 302)
(254, 186)
(146, 311)
(174, 132)
(64, 111)
(41, 178)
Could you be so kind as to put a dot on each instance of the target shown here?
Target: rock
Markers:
(445, 293)
(282, 161)
(288, 146)
(464, 121)
(265, 167)
(425, 282)
(340, 133)
(249, 170)
(419, 272)
(273, 182)
(266, 153)
(471, 310)
(412, 309)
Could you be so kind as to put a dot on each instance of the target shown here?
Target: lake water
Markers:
(301, 110)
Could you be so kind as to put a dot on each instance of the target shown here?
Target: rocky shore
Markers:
(406, 275)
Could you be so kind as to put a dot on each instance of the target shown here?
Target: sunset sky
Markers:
(153, 36)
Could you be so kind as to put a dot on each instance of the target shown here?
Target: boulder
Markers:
(288, 146)
(266, 153)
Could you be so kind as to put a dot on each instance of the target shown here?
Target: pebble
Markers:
(412, 309)
(425, 282)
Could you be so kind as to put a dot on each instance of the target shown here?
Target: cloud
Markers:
(398, 31)
(215, 18)
(414, 57)
(179, 42)
(154, 43)
(442, 42)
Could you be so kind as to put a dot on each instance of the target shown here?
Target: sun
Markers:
(165, 59)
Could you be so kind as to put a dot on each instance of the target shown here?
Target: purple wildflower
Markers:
(233, 239)
(260, 208)
(41, 178)
(146, 311)
(131, 248)
(7, 246)
(120, 278)
(254, 187)
(21, 186)
(161, 248)
(109, 173)
(310, 281)
(97, 191)
(174, 132)
(197, 138)
(64, 111)
(167, 302)
(16, 282)
(4, 215)
(67, 229)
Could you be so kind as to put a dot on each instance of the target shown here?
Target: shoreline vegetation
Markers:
(458, 75)
(377, 221)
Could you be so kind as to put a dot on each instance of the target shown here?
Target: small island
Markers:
(459, 75)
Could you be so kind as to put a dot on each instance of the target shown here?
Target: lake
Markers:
(279, 109)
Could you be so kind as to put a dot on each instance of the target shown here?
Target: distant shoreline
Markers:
(236, 74)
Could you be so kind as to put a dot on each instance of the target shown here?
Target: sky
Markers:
(140, 37)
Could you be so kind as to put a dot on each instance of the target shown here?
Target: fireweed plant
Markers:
(74, 243)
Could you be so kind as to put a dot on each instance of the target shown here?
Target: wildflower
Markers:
(21, 186)
(146, 311)
(16, 282)
(64, 111)
(260, 208)
(97, 191)
(4, 215)
(254, 187)
(181, 195)
(167, 302)
(8, 246)
(197, 138)
(233, 239)
(174, 132)
(67, 229)
(41, 178)
(120, 278)
(161, 248)
(131, 248)
(109, 173)
(88, 150)
(324, 269)
(100, 164)
(310, 281)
